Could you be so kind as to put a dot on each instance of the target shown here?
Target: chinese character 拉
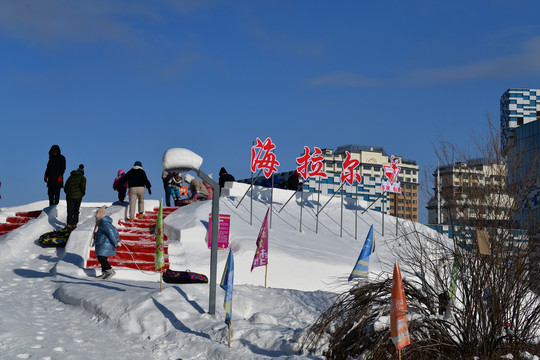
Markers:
(315, 161)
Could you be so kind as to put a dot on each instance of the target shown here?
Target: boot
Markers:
(108, 274)
(141, 216)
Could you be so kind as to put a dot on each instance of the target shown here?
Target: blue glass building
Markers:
(520, 138)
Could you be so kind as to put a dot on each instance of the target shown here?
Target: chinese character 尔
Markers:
(348, 174)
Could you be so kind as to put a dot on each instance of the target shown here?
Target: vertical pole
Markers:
(251, 203)
(356, 215)
(341, 221)
(382, 211)
(230, 321)
(318, 204)
(214, 249)
(271, 200)
(395, 205)
(301, 204)
(265, 275)
(438, 195)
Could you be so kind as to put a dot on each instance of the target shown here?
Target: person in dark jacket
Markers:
(224, 177)
(166, 177)
(136, 180)
(293, 182)
(75, 189)
(106, 240)
(54, 174)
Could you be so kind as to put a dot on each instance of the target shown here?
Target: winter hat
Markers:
(222, 171)
(120, 172)
(188, 178)
(54, 148)
(137, 163)
(100, 214)
(81, 168)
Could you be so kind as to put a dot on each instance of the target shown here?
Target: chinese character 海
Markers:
(264, 158)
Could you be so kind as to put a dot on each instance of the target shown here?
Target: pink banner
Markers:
(223, 233)
(261, 254)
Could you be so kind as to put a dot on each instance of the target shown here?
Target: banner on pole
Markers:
(160, 253)
(398, 307)
(261, 254)
(227, 282)
(361, 269)
(391, 171)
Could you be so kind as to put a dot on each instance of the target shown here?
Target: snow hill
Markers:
(52, 307)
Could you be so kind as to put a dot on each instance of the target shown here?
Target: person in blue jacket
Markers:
(106, 240)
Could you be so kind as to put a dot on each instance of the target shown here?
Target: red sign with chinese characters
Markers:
(314, 161)
(348, 174)
(391, 171)
(262, 157)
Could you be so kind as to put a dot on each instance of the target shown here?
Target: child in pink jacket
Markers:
(122, 189)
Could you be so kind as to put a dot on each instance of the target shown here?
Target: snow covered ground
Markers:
(53, 308)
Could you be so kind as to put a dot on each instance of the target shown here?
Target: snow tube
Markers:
(57, 238)
(183, 277)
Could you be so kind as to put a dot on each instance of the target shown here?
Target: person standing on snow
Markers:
(166, 177)
(75, 189)
(121, 189)
(106, 240)
(136, 179)
(54, 174)
(224, 177)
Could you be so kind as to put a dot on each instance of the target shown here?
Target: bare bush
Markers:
(471, 293)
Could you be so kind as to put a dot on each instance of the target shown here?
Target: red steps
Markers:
(139, 244)
(20, 218)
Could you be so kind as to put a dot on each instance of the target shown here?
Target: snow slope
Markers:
(53, 308)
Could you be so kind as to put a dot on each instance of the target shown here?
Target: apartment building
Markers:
(458, 188)
(372, 159)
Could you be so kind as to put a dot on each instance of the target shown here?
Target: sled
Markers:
(183, 277)
(58, 238)
(183, 202)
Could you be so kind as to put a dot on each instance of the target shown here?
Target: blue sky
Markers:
(113, 82)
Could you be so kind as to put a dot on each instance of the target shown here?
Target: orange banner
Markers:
(398, 319)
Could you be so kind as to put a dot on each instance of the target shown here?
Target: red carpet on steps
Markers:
(19, 219)
(138, 244)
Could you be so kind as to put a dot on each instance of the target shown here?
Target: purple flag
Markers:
(261, 255)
